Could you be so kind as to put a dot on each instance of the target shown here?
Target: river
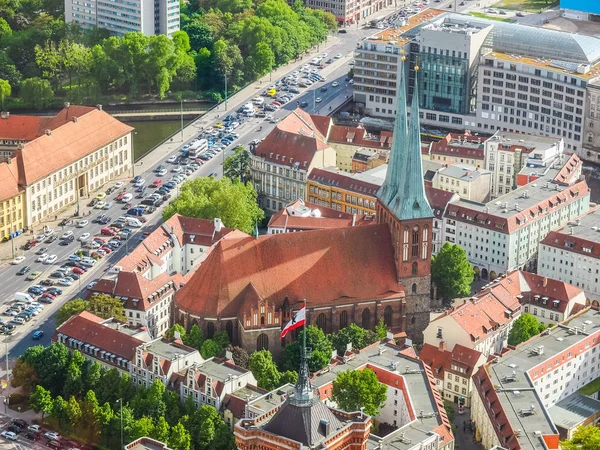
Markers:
(152, 132)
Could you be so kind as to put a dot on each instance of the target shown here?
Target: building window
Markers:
(415, 242)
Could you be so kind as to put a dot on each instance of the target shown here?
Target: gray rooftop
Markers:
(404, 438)
(523, 197)
(376, 175)
(525, 140)
(265, 402)
(168, 350)
(520, 394)
(220, 370)
(136, 332)
(463, 172)
(585, 227)
(573, 410)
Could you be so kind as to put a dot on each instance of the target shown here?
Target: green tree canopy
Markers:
(354, 389)
(24, 376)
(37, 93)
(319, 345)
(264, 370)
(69, 309)
(524, 327)
(237, 166)
(41, 401)
(451, 272)
(207, 198)
(180, 438)
(5, 91)
(101, 305)
(584, 438)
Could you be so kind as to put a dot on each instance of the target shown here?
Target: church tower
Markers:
(403, 205)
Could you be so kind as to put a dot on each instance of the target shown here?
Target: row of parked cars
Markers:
(19, 313)
(33, 433)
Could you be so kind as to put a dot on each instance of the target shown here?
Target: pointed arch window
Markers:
(425, 242)
(415, 242)
(405, 245)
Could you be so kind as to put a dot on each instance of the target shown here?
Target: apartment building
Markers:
(591, 123)
(495, 75)
(516, 159)
(346, 141)
(503, 234)
(466, 181)
(57, 160)
(571, 254)
(366, 159)
(147, 278)
(457, 148)
(514, 392)
(12, 202)
(144, 16)
(453, 370)
(280, 164)
(349, 11)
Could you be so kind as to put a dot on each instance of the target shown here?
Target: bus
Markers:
(198, 147)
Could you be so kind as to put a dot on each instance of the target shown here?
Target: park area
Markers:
(526, 5)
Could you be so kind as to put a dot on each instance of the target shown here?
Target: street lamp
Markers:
(120, 401)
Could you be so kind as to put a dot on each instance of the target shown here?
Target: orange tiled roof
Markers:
(358, 261)
(329, 218)
(88, 328)
(75, 132)
(9, 180)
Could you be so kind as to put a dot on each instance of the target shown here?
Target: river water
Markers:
(152, 132)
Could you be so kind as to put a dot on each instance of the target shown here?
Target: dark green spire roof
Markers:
(403, 191)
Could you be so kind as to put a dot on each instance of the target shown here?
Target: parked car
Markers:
(9, 435)
(18, 260)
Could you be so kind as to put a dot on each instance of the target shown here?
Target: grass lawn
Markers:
(526, 5)
(487, 16)
(591, 388)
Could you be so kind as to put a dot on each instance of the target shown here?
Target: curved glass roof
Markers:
(538, 42)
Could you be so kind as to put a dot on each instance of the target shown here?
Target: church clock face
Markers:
(416, 228)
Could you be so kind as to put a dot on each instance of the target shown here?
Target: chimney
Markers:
(176, 335)
(217, 224)
(67, 104)
(74, 119)
(5, 114)
(545, 281)
(48, 132)
(99, 107)
(442, 346)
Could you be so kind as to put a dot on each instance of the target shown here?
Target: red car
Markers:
(276, 103)
(157, 183)
(47, 295)
(78, 270)
(107, 249)
(120, 196)
(99, 239)
(107, 232)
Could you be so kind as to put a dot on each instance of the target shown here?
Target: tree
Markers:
(5, 91)
(89, 414)
(176, 328)
(142, 427)
(240, 356)
(264, 370)
(49, 60)
(180, 438)
(161, 429)
(195, 337)
(51, 367)
(584, 438)
(210, 348)
(237, 166)
(320, 346)
(37, 93)
(69, 309)
(5, 29)
(524, 327)
(105, 415)
(73, 382)
(106, 306)
(351, 334)
(41, 401)
(24, 376)
(262, 60)
(59, 409)
(92, 374)
(451, 272)
(354, 389)
(200, 34)
(73, 411)
(206, 198)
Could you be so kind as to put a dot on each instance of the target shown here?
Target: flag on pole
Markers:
(297, 321)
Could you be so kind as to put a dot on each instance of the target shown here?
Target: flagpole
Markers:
(304, 334)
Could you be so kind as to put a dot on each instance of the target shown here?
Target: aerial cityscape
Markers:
(286, 225)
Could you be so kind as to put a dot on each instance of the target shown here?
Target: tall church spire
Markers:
(403, 191)
(392, 179)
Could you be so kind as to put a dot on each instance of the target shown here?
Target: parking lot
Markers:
(30, 439)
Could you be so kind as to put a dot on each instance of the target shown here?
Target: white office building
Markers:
(149, 17)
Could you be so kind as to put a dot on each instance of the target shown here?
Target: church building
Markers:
(249, 287)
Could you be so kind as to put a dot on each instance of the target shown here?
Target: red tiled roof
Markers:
(27, 128)
(358, 261)
(449, 145)
(9, 180)
(435, 358)
(75, 132)
(508, 224)
(88, 328)
(329, 218)
(342, 180)
(570, 172)
(438, 199)
(294, 140)
(358, 136)
(236, 405)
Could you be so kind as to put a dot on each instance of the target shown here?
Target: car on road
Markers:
(18, 321)
(9, 435)
(67, 234)
(31, 243)
(24, 270)
(82, 223)
(50, 239)
(100, 205)
(41, 251)
(52, 435)
(79, 270)
(161, 172)
(84, 237)
(335, 84)
(36, 290)
(35, 428)
(100, 196)
(338, 56)
(51, 259)
(33, 275)
(43, 257)
(65, 281)
(318, 100)
(172, 159)
(324, 89)
(18, 260)
(37, 335)
(156, 183)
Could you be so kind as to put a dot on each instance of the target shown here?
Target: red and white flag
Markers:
(297, 321)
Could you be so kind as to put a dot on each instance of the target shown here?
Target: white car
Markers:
(43, 257)
(34, 428)
(40, 237)
(161, 172)
(82, 223)
(172, 159)
(74, 258)
(176, 169)
(119, 184)
(338, 56)
(100, 205)
(84, 236)
(335, 84)
(18, 260)
(67, 234)
(51, 259)
(324, 55)
(318, 100)
(48, 232)
(9, 435)
(91, 285)
(65, 281)
(52, 435)
(139, 182)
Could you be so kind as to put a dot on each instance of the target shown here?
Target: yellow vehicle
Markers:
(271, 92)
(100, 196)
(219, 125)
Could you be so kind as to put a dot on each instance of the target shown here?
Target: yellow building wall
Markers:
(339, 199)
(12, 214)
